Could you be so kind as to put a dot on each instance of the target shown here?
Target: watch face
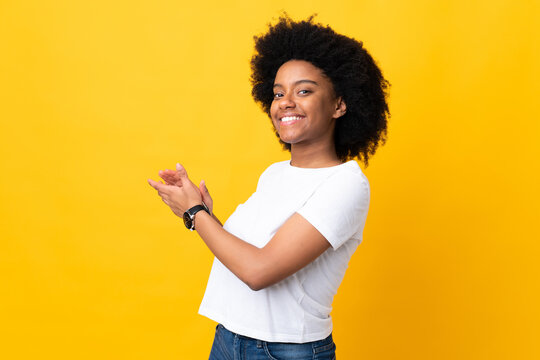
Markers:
(187, 221)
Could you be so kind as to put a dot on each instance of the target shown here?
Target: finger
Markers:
(163, 192)
(172, 177)
(205, 195)
(154, 184)
(204, 189)
(181, 171)
(163, 189)
(167, 172)
(167, 178)
(165, 197)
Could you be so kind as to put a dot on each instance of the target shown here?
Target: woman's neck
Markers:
(314, 157)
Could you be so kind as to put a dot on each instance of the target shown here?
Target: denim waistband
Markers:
(240, 346)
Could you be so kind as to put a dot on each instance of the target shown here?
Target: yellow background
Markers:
(97, 96)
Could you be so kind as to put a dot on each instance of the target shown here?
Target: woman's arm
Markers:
(296, 244)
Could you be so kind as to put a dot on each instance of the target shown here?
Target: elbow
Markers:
(258, 274)
(255, 284)
(255, 287)
(257, 280)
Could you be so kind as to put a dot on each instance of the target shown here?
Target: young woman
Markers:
(281, 256)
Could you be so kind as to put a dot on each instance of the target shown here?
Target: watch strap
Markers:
(189, 215)
(192, 211)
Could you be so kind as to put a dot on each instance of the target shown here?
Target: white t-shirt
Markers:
(335, 201)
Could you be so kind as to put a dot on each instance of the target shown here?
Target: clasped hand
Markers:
(179, 192)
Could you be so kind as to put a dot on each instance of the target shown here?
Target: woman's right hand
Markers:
(171, 177)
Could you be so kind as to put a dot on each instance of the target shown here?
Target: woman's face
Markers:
(305, 107)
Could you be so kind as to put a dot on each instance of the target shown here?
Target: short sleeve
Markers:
(338, 207)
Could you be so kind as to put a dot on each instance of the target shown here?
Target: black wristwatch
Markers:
(189, 215)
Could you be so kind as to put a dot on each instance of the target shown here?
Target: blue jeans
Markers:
(230, 346)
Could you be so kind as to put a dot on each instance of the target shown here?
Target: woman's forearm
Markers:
(216, 218)
(241, 258)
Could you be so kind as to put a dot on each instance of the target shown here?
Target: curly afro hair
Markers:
(353, 72)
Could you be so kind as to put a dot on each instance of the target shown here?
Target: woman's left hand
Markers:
(179, 197)
(171, 177)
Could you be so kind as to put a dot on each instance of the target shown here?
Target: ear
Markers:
(341, 108)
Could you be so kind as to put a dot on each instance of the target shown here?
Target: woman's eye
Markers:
(303, 92)
(278, 95)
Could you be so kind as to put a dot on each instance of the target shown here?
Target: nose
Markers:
(286, 102)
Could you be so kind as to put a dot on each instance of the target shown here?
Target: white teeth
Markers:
(290, 118)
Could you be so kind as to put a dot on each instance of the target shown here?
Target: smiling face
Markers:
(305, 106)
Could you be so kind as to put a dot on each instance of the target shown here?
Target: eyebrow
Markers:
(299, 82)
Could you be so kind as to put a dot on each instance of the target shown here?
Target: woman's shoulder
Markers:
(347, 186)
(348, 178)
(352, 171)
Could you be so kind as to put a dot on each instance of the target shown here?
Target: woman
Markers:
(280, 257)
